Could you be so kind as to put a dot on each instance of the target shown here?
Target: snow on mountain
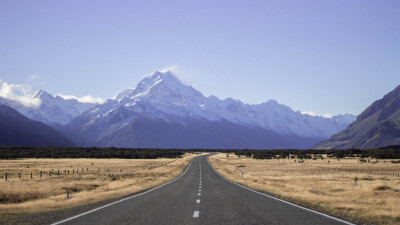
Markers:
(54, 111)
(161, 96)
(171, 97)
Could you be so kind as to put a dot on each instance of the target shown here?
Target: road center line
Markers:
(198, 201)
(199, 194)
(200, 169)
(196, 214)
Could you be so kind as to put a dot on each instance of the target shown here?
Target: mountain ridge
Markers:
(16, 129)
(52, 110)
(377, 126)
(162, 97)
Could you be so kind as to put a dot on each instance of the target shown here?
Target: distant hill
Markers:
(18, 130)
(377, 126)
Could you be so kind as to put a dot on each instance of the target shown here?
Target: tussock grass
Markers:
(101, 179)
(339, 188)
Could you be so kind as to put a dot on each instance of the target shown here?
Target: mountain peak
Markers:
(40, 94)
(159, 78)
(273, 102)
(167, 76)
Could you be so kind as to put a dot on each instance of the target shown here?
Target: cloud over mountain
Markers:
(19, 93)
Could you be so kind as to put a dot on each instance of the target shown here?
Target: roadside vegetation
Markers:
(360, 189)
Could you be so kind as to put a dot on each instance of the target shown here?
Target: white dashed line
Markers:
(198, 201)
(196, 214)
(200, 170)
(199, 194)
(199, 190)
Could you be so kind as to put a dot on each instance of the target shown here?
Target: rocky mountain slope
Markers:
(377, 126)
(16, 130)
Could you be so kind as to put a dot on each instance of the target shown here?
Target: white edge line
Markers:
(121, 200)
(281, 200)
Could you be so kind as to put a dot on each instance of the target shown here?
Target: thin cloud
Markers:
(19, 93)
(22, 93)
(33, 77)
(177, 73)
(312, 113)
(36, 80)
(172, 69)
(84, 99)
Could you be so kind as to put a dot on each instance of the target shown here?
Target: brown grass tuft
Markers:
(383, 188)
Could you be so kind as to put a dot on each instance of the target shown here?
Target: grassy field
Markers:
(366, 192)
(87, 181)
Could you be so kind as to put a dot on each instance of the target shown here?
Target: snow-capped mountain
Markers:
(161, 104)
(52, 110)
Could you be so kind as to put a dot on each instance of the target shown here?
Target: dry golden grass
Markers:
(341, 188)
(101, 179)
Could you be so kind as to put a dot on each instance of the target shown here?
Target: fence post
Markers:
(58, 172)
(31, 175)
(6, 176)
(40, 174)
(67, 194)
(19, 175)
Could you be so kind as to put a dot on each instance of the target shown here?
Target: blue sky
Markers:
(321, 56)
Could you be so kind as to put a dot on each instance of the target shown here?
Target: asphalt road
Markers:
(201, 196)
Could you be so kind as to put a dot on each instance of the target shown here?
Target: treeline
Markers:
(11, 152)
(390, 152)
(15, 152)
